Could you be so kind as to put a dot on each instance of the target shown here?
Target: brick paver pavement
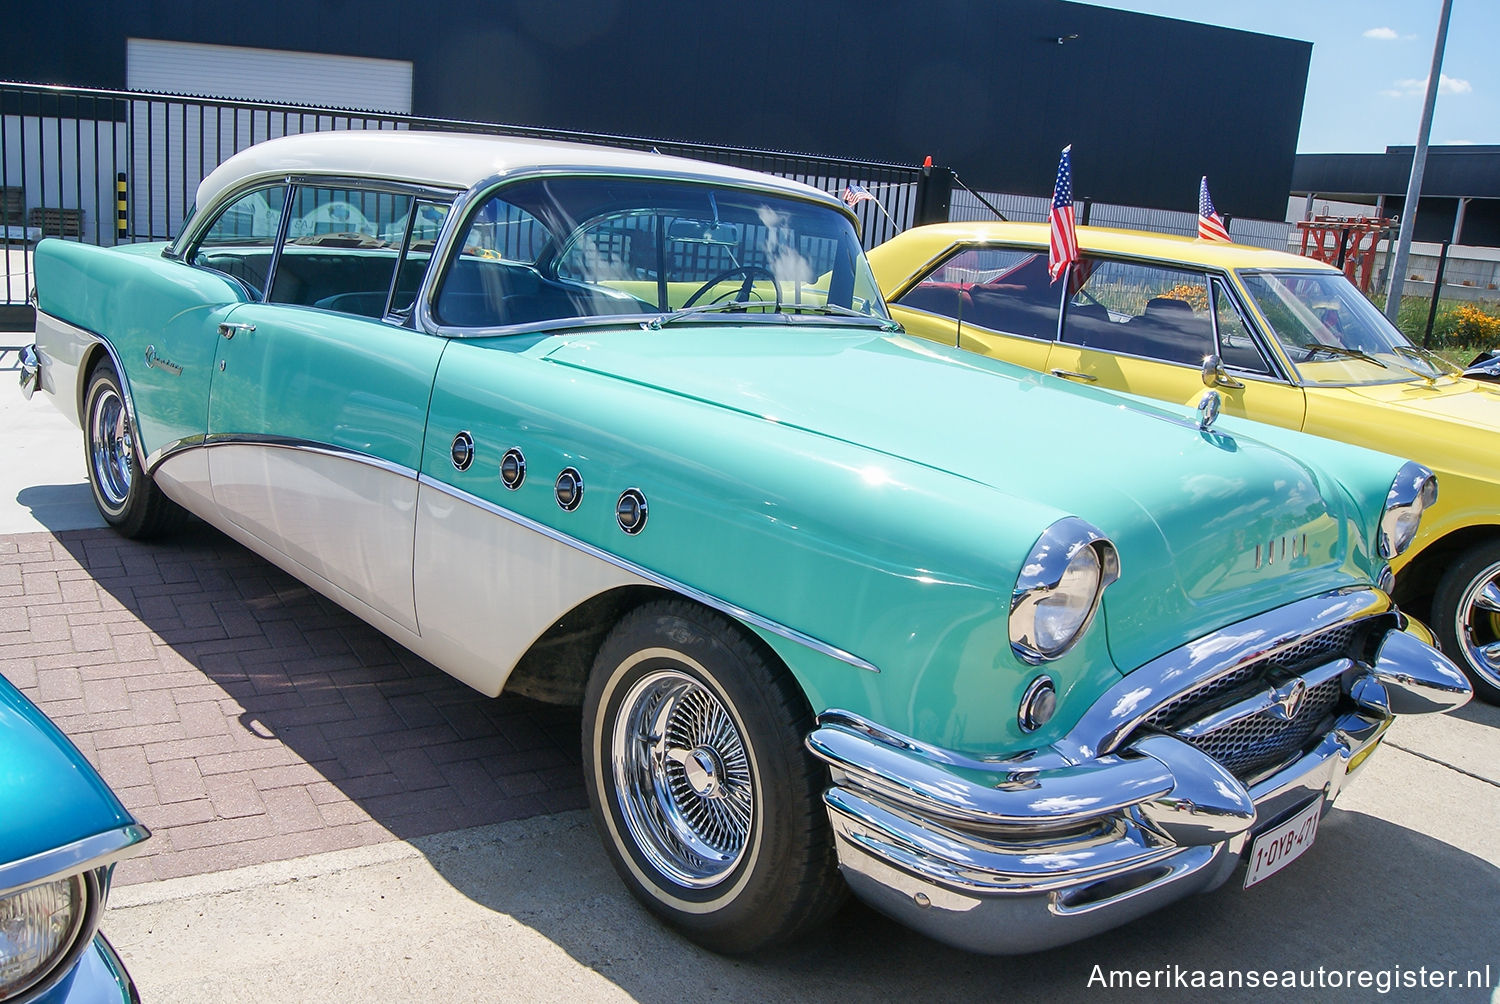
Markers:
(244, 718)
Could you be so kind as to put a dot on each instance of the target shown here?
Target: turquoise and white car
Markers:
(61, 832)
(1022, 660)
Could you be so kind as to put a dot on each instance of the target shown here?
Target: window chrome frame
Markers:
(424, 315)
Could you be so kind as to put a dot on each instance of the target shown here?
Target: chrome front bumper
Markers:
(1111, 822)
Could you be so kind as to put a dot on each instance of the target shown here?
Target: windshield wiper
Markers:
(1338, 350)
(656, 323)
(735, 306)
(834, 310)
(1434, 362)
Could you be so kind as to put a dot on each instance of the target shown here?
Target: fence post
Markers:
(1437, 289)
(934, 194)
(1088, 206)
(121, 203)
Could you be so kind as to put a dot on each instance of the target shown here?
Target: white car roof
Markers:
(456, 160)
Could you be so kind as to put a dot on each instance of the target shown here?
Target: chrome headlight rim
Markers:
(1412, 493)
(1055, 553)
(50, 970)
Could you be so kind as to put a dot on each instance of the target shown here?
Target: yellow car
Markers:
(1282, 339)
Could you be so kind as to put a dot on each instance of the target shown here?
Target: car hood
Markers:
(49, 795)
(1211, 527)
(1451, 425)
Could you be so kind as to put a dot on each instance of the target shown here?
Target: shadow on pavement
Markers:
(1370, 896)
(319, 727)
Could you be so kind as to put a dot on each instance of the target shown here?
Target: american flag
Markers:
(1210, 224)
(855, 194)
(1063, 249)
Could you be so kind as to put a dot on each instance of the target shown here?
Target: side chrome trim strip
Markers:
(708, 600)
(82, 855)
(274, 442)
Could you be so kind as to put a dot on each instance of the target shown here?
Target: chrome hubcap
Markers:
(110, 446)
(684, 778)
(1478, 624)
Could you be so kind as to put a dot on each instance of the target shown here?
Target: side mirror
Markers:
(1215, 376)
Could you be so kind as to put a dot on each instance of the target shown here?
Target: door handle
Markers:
(1070, 375)
(228, 328)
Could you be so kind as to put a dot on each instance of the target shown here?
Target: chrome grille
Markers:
(1250, 745)
(1262, 740)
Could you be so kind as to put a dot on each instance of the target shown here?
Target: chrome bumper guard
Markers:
(1109, 823)
(30, 371)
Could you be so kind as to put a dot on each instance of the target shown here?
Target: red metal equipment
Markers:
(1347, 242)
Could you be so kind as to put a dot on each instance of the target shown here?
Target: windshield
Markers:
(1332, 334)
(560, 249)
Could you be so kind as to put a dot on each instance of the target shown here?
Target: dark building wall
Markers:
(1450, 173)
(1148, 103)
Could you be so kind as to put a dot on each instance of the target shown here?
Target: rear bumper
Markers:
(1025, 854)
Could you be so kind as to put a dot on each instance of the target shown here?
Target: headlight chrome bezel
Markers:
(87, 898)
(1052, 557)
(1412, 493)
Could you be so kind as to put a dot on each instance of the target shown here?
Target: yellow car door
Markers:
(1149, 329)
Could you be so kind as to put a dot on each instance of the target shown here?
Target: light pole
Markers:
(1418, 165)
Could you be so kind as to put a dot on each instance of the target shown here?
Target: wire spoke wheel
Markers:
(127, 498)
(110, 446)
(707, 800)
(684, 778)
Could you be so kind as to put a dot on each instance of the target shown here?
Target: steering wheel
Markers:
(750, 272)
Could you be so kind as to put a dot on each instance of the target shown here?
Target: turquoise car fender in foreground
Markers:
(61, 832)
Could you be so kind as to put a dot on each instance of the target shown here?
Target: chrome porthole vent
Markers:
(630, 511)
(462, 451)
(512, 469)
(568, 489)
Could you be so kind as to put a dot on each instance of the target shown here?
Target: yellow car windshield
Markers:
(1332, 334)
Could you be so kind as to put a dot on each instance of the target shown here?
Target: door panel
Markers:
(315, 430)
(1262, 400)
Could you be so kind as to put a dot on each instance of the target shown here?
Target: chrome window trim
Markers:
(422, 310)
(82, 855)
(194, 225)
(707, 599)
(1222, 282)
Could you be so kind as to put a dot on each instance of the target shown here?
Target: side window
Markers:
(1237, 346)
(424, 225)
(1001, 289)
(240, 242)
(492, 280)
(341, 250)
(1140, 310)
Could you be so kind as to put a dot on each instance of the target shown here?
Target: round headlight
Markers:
(39, 927)
(1061, 611)
(1058, 589)
(1412, 493)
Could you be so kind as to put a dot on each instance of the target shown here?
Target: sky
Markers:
(1370, 60)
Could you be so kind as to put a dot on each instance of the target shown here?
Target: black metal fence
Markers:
(114, 167)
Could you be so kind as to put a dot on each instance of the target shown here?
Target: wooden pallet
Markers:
(57, 222)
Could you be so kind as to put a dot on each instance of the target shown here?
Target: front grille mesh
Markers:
(1245, 746)
(1251, 745)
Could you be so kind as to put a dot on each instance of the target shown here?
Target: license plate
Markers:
(1278, 847)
